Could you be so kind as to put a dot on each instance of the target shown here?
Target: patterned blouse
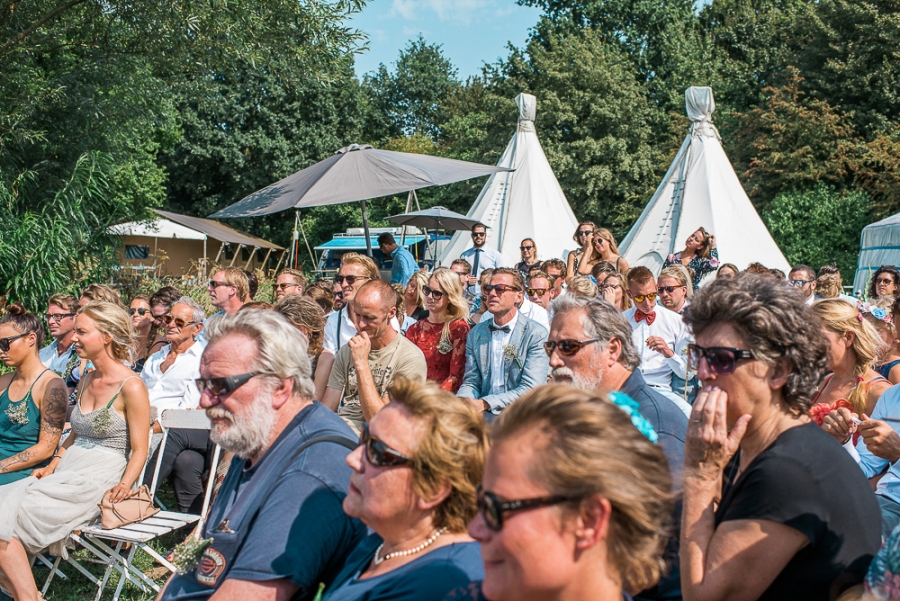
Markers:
(699, 265)
(445, 368)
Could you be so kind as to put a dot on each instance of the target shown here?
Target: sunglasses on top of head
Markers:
(720, 359)
(378, 453)
(4, 342)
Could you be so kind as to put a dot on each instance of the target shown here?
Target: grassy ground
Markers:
(79, 588)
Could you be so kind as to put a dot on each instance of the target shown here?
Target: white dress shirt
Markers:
(348, 330)
(500, 339)
(488, 258)
(656, 368)
(530, 310)
(51, 358)
(176, 387)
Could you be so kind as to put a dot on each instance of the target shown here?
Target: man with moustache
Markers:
(590, 346)
(277, 526)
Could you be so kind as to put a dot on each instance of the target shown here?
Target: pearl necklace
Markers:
(412, 551)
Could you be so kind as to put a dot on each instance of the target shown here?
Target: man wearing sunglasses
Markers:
(228, 290)
(657, 334)
(277, 526)
(366, 366)
(60, 318)
(289, 281)
(539, 291)
(505, 356)
(170, 375)
(590, 346)
(803, 279)
(480, 257)
(556, 271)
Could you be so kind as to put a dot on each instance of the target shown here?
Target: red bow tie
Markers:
(640, 315)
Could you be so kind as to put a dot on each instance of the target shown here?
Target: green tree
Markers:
(820, 225)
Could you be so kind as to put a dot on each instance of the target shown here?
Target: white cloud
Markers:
(460, 11)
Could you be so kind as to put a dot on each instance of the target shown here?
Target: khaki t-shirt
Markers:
(399, 357)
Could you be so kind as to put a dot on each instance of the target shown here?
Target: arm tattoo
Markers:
(53, 410)
(7, 465)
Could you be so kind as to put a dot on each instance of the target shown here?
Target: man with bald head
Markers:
(365, 367)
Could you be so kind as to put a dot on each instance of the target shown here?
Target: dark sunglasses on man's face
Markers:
(219, 386)
(437, 294)
(378, 453)
(720, 359)
(285, 286)
(140, 312)
(4, 342)
(57, 317)
(168, 319)
(492, 509)
(500, 288)
(217, 283)
(800, 283)
(350, 279)
(669, 289)
(479, 234)
(567, 348)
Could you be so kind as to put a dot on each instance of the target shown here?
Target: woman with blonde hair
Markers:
(530, 260)
(99, 292)
(442, 334)
(605, 249)
(584, 238)
(575, 500)
(613, 290)
(854, 347)
(699, 255)
(414, 300)
(101, 458)
(306, 315)
(582, 285)
(414, 484)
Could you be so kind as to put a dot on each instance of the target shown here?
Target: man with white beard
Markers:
(277, 526)
(591, 347)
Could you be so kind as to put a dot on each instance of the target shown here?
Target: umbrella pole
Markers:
(366, 228)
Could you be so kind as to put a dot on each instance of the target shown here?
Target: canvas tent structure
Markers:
(188, 243)
(701, 189)
(879, 244)
(525, 203)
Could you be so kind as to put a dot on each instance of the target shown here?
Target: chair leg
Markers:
(109, 568)
(127, 567)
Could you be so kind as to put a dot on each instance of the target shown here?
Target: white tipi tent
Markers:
(701, 189)
(525, 203)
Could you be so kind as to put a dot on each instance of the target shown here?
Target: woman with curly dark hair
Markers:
(767, 493)
(884, 282)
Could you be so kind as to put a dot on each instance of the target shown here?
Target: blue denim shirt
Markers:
(404, 266)
(889, 485)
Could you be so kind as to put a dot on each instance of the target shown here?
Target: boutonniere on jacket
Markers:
(510, 354)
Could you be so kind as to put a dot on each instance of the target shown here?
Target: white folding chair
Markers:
(116, 548)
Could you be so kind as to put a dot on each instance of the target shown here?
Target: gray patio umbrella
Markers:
(356, 173)
(435, 218)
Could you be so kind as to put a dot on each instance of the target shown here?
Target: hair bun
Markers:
(16, 309)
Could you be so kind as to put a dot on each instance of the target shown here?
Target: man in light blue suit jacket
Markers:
(505, 356)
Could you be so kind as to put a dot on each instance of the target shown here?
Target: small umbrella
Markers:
(435, 218)
(356, 173)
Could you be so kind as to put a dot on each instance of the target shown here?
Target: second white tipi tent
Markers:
(525, 203)
(701, 189)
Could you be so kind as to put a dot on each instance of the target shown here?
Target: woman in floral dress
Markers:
(442, 335)
(699, 256)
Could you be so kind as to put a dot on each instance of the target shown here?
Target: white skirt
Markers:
(41, 514)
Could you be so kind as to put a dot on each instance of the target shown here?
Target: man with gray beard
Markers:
(590, 346)
(277, 527)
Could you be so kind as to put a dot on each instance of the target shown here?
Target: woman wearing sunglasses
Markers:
(605, 249)
(699, 255)
(584, 238)
(149, 339)
(574, 501)
(32, 402)
(773, 509)
(528, 248)
(885, 282)
(414, 484)
(101, 458)
(442, 335)
(413, 299)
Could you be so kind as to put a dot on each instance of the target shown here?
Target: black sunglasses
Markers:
(500, 288)
(57, 317)
(378, 453)
(438, 295)
(479, 234)
(168, 319)
(585, 232)
(567, 347)
(219, 386)
(492, 508)
(286, 285)
(140, 312)
(216, 284)
(525, 247)
(4, 342)
(350, 279)
(721, 360)
(669, 289)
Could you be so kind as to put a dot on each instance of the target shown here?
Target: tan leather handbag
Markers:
(133, 509)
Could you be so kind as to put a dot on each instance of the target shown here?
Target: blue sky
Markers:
(471, 32)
